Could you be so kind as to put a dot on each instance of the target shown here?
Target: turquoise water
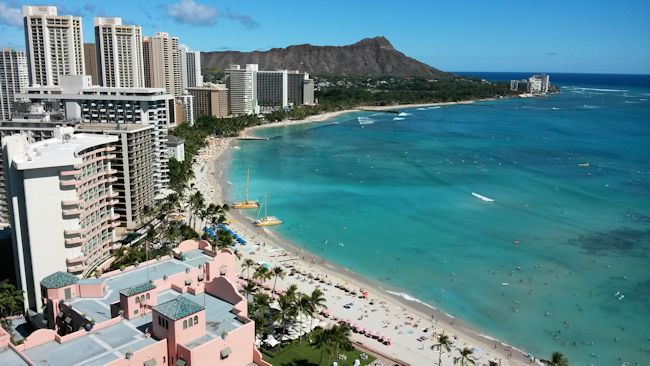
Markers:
(392, 201)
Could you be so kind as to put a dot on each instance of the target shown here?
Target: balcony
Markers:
(68, 173)
(74, 242)
(76, 269)
(75, 261)
(70, 183)
(73, 232)
(73, 212)
(71, 203)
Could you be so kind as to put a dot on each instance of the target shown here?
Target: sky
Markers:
(596, 36)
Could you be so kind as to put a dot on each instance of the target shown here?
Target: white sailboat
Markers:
(267, 220)
(247, 203)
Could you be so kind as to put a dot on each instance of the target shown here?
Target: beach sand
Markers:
(401, 319)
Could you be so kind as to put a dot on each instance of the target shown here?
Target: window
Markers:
(136, 311)
(159, 321)
(185, 324)
(148, 296)
(196, 319)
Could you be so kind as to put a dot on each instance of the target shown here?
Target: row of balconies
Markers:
(94, 160)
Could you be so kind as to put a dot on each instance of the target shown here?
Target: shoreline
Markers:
(212, 176)
(323, 117)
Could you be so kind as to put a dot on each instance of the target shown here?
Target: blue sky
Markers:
(552, 36)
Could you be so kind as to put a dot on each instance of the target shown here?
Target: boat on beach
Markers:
(267, 220)
(482, 198)
(246, 204)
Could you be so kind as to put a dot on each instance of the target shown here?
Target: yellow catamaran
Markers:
(267, 220)
(247, 203)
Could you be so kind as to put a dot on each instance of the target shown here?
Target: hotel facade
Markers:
(54, 45)
(86, 103)
(13, 79)
(64, 183)
(119, 53)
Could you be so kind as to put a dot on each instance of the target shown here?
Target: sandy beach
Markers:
(410, 324)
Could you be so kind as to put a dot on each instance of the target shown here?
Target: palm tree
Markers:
(317, 300)
(443, 343)
(196, 202)
(323, 341)
(557, 359)
(291, 291)
(333, 339)
(277, 271)
(11, 299)
(305, 307)
(341, 341)
(224, 239)
(247, 265)
(287, 313)
(237, 254)
(262, 274)
(249, 288)
(465, 356)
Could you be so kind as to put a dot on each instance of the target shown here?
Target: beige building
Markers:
(90, 60)
(119, 53)
(210, 100)
(162, 63)
(54, 45)
(134, 165)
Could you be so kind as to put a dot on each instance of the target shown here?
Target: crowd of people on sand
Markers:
(377, 320)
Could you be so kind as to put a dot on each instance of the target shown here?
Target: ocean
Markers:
(559, 261)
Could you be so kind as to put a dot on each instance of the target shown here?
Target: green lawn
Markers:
(306, 355)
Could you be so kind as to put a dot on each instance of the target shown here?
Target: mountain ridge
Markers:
(374, 56)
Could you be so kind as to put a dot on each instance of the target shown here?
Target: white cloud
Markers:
(193, 13)
(10, 16)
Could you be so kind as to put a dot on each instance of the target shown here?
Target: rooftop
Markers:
(98, 348)
(137, 289)
(58, 280)
(56, 151)
(178, 308)
(112, 127)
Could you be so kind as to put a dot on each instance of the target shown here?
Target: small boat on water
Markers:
(365, 120)
(267, 220)
(246, 204)
(584, 165)
(482, 198)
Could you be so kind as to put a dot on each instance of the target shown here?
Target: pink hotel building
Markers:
(177, 311)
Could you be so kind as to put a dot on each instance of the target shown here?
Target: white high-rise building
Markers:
(162, 63)
(54, 45)
(61, 205)
(191, 68)
(13, 79)
(242, 87)
(119, 53)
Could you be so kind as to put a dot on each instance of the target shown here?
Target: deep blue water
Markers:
(392, 201)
